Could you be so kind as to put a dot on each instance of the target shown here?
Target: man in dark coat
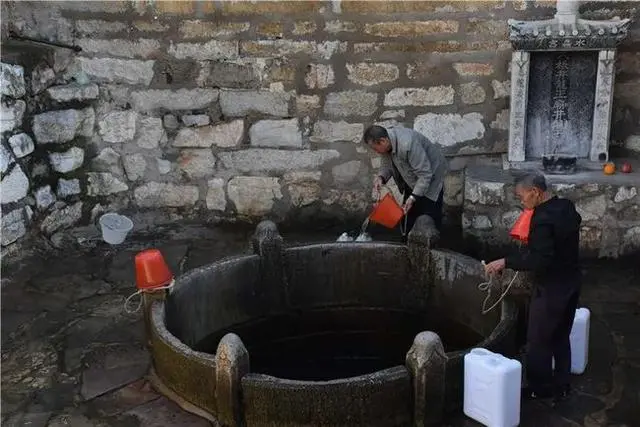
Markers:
(552, 256)
(417, 165)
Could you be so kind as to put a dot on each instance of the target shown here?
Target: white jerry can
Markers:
(579, 340)
(492, 388)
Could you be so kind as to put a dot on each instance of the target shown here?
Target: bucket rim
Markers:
(127, 221)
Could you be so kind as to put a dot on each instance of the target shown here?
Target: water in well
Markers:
(329, 344)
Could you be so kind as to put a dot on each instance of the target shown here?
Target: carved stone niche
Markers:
(562, 77)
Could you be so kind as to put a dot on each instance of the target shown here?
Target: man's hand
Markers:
(494, 267)
(408, 204)
(377, 186)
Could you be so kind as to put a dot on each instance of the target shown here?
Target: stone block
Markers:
(63, 125)
(173, 100)
(151, 134)
(410, 29)
(427, 47)
(134, 166)
(326, 131)
(472, 93)
(264, 160)
(68, 187)
(108, 160)
(232, 363)
(164, 166)
(307, 104)
(6, 159)
(67, 161)
(104, 184)
(216, 199)
(170, 122)
(631, 240)
(158, 194)
(118, 126)
(453, 195)
(303, 187)
(282, 48)
(632, 143)
(73, 92)
(502, 120)
(62, 218)
(253, 196)
(12, 114)
(350, 103)
(276, 133)
(113, 6)
(224, 135)
(450, 129)
(279, 8)
(142, 48)
(115, 70)
(196, 163)
(479, 28)
(196, 29)
(237, 103)
(501, 89)
(319, 76)
(336, 27)
(12, 80)
(509, 218)
(346, 173)
(371, 74)
(42, 77)
(98, 27)
(481, 222)
(624, 194)
(44, 197)
(302, 28)
(484, 193)
(211, 50)
(473, 69)
(592, 208)
(427, 7)
(427, 364)
(270, 29)
(433, 96)
(21, 144)
(195, 120)
(13, 226)
(227, 74)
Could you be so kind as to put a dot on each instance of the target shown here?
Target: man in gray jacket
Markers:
(416, 164)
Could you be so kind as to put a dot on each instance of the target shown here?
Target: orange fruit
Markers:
(609, 168)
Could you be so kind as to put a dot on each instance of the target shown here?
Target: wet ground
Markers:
(72, 357)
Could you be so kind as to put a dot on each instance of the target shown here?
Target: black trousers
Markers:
(423, 206)
(551, 317)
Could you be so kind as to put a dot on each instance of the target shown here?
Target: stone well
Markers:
(326, 334)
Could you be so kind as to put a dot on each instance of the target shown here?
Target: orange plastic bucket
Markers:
(151, 270)
(387, 212)
(520, 230)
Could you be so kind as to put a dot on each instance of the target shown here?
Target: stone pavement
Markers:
(72, 357)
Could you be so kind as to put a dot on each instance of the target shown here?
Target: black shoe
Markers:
(530, 393)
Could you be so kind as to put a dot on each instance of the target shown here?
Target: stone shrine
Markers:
(562, 79)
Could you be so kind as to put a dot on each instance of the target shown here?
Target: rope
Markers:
(140, 292)
(486, 287)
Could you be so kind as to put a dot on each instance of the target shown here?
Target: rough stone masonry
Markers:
(244, 109)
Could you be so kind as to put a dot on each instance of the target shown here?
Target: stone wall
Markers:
(609, 207)
(238, 110)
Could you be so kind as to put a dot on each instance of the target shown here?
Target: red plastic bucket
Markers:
(151, 270)
(387, 212)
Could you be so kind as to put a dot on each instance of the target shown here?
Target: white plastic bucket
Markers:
(115, 228)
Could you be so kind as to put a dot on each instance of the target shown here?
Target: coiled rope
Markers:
(486, 287)
(140, 292)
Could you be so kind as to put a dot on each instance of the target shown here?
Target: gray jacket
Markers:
(416, 161)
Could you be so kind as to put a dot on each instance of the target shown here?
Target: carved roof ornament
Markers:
(567, 31)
